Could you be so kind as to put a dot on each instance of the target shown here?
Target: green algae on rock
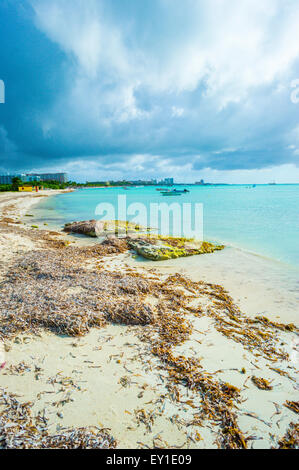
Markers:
(157, 248)
(140, 239)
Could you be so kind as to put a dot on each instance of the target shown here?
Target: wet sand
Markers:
(258, 285)
(108, 377)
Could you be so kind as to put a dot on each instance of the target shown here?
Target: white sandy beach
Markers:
(108, 378)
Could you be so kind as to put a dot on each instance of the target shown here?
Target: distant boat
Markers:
(175, 191)
(171, 193)
(272, 183)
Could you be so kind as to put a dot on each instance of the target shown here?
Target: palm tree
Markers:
(16, 182)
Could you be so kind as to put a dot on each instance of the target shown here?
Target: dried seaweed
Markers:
(291, 438)
(17, 369)
(53, 289)
(279, 326)
(46, 289)
(261, 383)
(292, 405)
(283, 373)
(232, 323)
(19, 429)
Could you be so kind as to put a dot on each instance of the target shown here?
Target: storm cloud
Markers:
(146, 88)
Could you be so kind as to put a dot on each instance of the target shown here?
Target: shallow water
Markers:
(263, 220)
(259, 286)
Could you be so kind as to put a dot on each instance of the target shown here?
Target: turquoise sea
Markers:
(262, 219)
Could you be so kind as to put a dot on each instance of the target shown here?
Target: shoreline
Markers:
(259, 284)
(99, 361)
(44, 214)
(20, 201)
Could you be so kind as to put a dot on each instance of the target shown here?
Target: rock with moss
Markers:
(159, 249)
(141, 240)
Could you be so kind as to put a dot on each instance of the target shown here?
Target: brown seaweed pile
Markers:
(258, 337)
(20, 430)
(261, 383)
(47, 289)
(218, 399)
(293, 405)
(279, 326)
(52, 239)
(291, 438)
(232, 323)
(58, 290)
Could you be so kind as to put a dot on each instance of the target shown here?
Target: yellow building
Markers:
(25, 188)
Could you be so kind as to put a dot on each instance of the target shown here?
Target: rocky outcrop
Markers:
(159, 250)
(150, 251)
(85, 227)
(121, 235)
(99, 228)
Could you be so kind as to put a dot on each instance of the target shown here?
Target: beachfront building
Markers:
(30, 177)
(59, 177)
(167, 181)
(143, 182)
(7, 179)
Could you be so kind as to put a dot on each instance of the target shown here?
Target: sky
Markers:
(141, 89)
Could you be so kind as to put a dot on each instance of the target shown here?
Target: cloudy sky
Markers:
(108, 89)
